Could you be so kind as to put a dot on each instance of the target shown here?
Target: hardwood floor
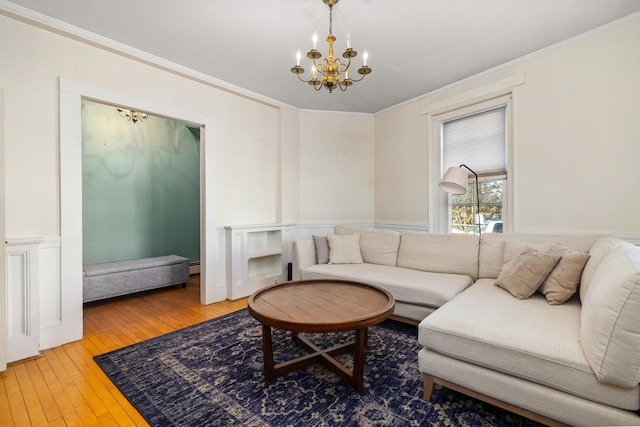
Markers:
(64, 386)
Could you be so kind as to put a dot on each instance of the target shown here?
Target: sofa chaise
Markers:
(498, 321)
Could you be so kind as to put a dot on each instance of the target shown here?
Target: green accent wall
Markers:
(140, 187)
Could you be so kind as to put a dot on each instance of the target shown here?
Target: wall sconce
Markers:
(455, 181)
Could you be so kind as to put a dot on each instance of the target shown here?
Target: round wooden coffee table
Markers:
(320, 306)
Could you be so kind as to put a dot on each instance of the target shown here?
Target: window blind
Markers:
(479, 141)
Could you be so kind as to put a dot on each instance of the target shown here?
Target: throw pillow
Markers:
(344, 249)
(609, 320)
(564, 279)
(322, 249)
(525, 273)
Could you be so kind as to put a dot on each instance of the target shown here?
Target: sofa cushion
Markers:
(611, 318)
(522, 275)
(376, 246)
(322, 249)
(598, 252)
(344, 249)
(492, 247)
(563, 281)
(529, 339)
(440, 253)
(406, 285)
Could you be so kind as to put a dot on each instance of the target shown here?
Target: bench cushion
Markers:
(529, 339)
(91, 270)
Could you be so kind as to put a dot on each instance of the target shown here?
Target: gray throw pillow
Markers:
(322, 249)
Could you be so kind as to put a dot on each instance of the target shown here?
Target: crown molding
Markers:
(48, 23)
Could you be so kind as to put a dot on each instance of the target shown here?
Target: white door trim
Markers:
(71, 95)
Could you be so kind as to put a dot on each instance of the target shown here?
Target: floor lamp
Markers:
(455, 181)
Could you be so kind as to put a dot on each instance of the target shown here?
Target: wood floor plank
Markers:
(100, 383)
(17, 405)
(29, 395)
(69, 414)
(65, 387)
(45, 397)
(5, 409)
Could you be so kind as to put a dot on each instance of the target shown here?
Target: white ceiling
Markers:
(415, 46)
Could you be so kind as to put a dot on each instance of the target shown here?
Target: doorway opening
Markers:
(72, 93)
(140, 186)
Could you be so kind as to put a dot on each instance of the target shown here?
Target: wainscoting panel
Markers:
(23, 303)
(51, 295)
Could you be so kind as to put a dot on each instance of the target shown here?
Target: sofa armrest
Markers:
(304, 255)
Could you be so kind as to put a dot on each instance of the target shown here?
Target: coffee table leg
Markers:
(358, 359)
(267, 350)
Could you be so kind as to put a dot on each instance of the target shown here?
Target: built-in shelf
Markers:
(256, 258)
(264, 254)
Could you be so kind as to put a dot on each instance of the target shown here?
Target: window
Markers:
(477, 139)
(477, 99)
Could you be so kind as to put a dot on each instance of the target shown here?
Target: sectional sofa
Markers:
(547, 326)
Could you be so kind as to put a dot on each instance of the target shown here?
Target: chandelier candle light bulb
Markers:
(334, 72)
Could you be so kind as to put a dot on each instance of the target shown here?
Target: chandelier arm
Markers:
(346, 66)
(357, 80)
(302, 80)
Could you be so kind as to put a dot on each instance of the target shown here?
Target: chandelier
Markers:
(331, 72)
(133, 116)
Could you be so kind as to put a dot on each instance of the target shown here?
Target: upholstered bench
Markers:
(113, 279)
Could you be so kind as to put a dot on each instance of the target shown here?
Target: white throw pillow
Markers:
(344, 249)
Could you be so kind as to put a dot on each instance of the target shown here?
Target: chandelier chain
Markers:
(331, 20)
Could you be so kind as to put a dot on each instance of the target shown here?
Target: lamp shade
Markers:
(455, 180)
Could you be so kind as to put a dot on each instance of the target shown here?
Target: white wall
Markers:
(401, 180)
(576, 133)
(247, 140)
(246, 130)
(289, 166)
(336, 167)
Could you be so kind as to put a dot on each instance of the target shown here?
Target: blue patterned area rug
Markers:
(210, 374)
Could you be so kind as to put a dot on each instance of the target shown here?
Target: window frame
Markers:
(439, 201)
